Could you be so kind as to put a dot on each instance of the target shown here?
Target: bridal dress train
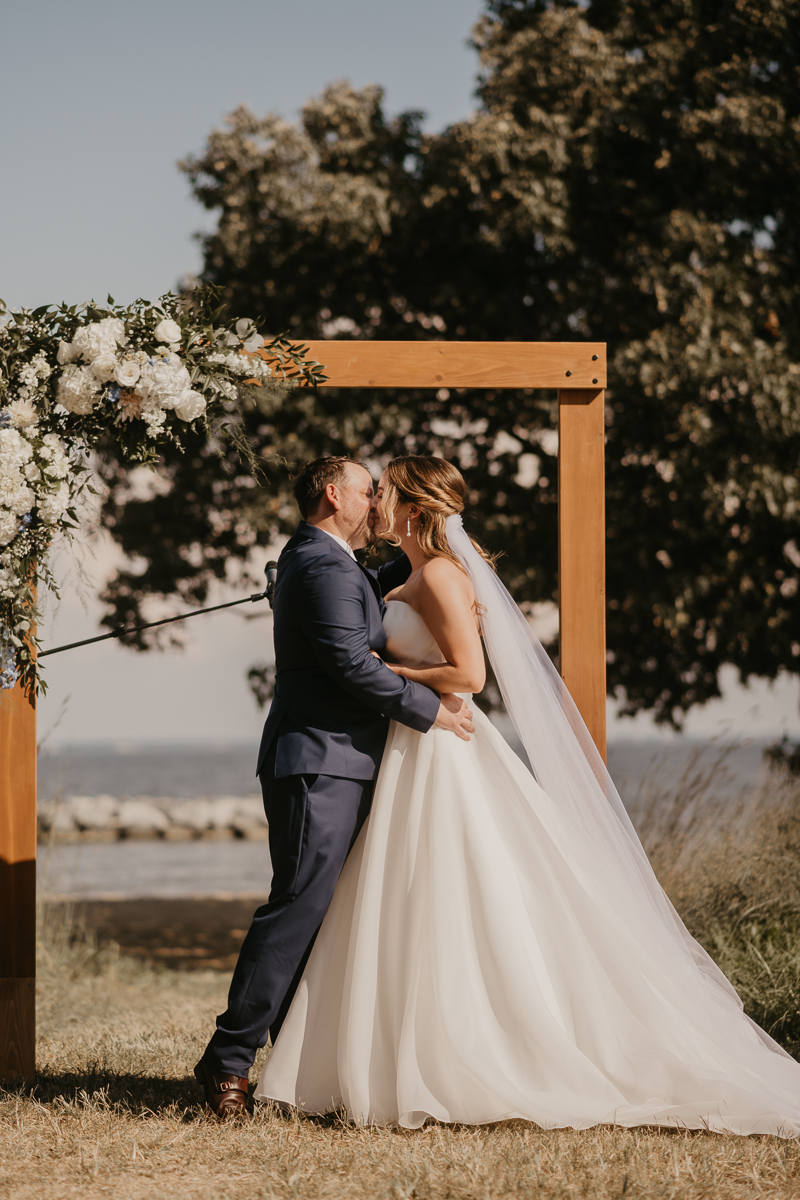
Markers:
(498, 947)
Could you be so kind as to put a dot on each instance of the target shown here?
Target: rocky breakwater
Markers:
(111, 818)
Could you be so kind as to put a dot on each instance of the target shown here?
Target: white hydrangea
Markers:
(8, 526)
(55, 442)
(153, 415)
(22, 413)
(8, 583)
(192, 405)
(53, 455)
(164, 381)
(99, 338)
(37, 369)
(15, 495)
(77, 390)
(51, 506)
(66, 353)
(15, 450)
(242, 364)
(43, 368)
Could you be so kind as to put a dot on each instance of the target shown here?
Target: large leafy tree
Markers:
(630, 175)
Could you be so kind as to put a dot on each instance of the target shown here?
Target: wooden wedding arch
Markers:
(578, 371)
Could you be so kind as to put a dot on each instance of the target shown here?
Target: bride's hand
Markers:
(392, 666)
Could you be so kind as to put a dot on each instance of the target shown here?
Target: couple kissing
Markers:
(450, 934)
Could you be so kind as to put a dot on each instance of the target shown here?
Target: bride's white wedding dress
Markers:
(473, 966)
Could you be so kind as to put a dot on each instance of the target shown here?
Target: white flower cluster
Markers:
(136, 371)
(96, 363)
(33, 475)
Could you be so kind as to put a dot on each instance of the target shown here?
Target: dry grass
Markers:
(731, 867)
(115, 1112)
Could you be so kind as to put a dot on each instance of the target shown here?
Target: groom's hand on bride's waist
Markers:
(454, 715)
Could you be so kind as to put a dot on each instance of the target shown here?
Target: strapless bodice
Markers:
(408, 639)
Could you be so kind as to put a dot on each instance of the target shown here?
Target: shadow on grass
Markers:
(99, 1089)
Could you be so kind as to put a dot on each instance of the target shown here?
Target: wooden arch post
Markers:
(578, 372)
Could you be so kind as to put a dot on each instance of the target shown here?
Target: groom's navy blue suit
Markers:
(320, 752)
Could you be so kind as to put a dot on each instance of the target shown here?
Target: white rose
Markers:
(191, 406)
(51, 506)
(15, 450)
(15, 493)
(77, 390)
(104, 367)
(8, 526)
(32, 473)
(167, 331)
(66, 353)
(254, 343)
(127, 372)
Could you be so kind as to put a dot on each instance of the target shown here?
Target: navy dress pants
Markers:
(313, 822)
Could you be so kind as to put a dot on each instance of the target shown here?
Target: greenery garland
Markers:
(73, 376)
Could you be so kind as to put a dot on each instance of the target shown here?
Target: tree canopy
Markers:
(630, 175)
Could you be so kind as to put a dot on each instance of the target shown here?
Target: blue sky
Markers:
(100, 100)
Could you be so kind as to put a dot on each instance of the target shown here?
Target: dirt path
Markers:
(187, 934)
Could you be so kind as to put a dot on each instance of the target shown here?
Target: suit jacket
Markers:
(333, 699)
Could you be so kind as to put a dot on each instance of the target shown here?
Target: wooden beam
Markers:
(461, 364)
(581, 366)
(581, 554)
(17, 885)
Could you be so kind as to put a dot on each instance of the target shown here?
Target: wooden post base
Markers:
(17, 1028)
(17, 884)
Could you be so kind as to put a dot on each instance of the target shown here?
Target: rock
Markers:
(197, 815)
(249, 821)
(141, 818)
(94, 812)
(224, 811)
(57, 818)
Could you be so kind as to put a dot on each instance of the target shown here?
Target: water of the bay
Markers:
(201, 867)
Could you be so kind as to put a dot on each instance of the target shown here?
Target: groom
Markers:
(320, 752)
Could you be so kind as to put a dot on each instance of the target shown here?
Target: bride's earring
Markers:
(408, 527)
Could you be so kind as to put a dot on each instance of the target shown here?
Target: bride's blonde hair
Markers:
(438, 490)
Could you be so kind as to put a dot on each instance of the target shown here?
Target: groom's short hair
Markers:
(313, 477)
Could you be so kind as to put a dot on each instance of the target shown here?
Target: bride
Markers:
(498, 945)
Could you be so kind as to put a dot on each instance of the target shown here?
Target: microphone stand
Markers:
(271, 572)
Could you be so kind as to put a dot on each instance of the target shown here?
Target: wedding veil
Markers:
(581, 810)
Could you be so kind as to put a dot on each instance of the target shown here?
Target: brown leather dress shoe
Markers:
(226, 1095)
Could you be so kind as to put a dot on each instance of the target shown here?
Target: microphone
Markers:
(271, 571)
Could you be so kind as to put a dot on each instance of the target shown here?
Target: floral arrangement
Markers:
(72, 376)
